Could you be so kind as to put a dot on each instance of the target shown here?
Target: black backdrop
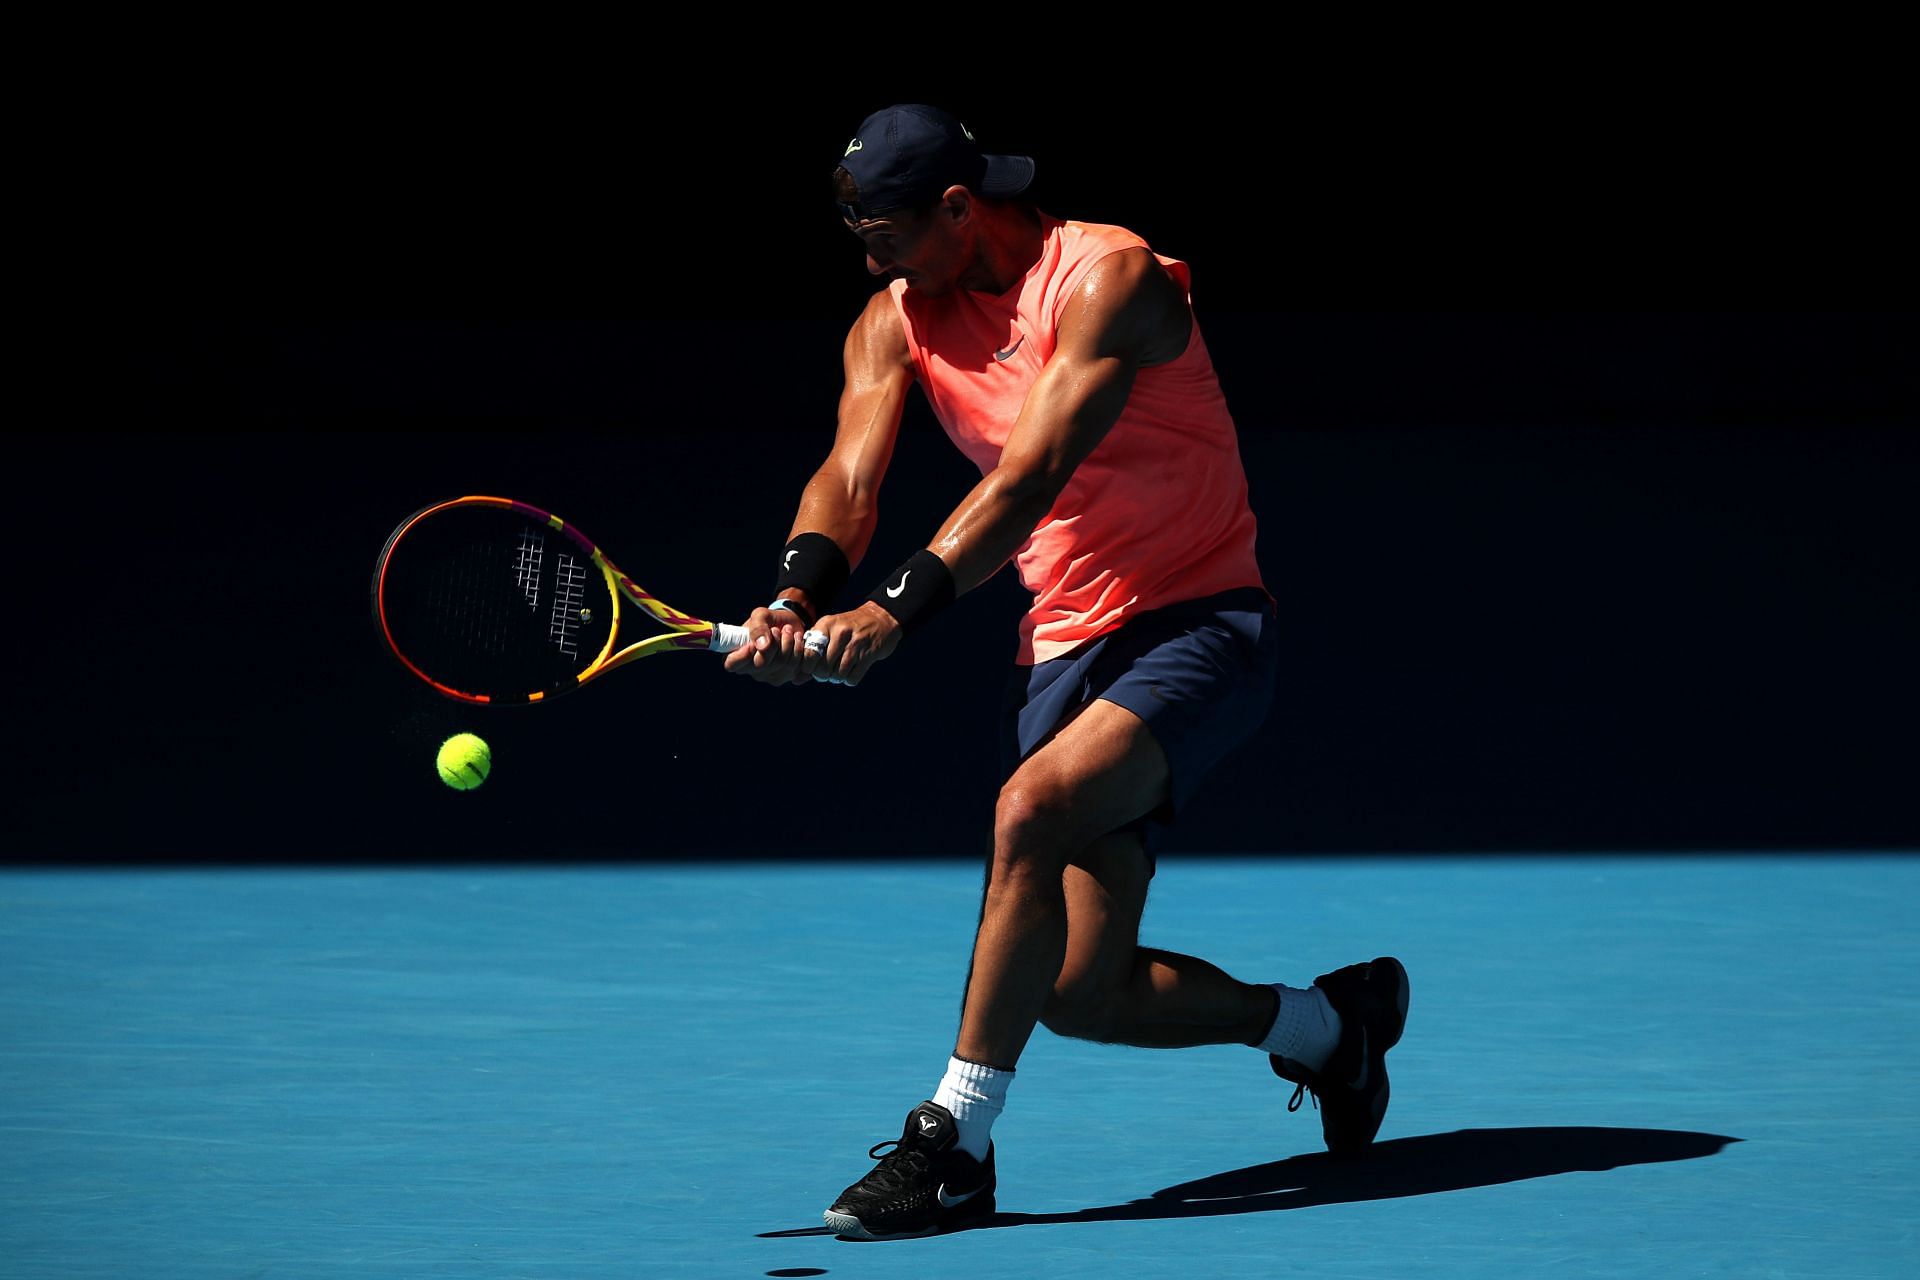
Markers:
(1583, 453)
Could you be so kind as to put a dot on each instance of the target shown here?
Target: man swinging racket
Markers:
(1063, 358)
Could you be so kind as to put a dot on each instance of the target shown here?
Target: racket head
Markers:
(494, 601)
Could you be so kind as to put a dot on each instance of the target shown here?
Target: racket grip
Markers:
(727, 637)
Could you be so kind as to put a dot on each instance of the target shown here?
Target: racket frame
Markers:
(684, 631)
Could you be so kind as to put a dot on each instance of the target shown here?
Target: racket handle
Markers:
(727, 637)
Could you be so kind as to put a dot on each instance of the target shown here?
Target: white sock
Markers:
(1305, 1030)
(976, 1095)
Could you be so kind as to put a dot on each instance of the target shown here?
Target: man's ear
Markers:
(956, 204)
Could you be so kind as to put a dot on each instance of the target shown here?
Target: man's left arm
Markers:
(1126, 315)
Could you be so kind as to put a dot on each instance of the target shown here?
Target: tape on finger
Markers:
(816, 642)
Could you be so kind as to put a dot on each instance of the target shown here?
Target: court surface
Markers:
(1631, 1066)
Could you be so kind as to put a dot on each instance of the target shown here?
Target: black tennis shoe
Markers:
(1351, 1090)
(924, 1186)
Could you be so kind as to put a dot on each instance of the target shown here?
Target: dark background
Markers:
(1581, 429)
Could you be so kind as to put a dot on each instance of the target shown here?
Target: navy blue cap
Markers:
(906, 155)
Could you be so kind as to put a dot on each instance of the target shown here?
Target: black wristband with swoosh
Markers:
(814, 564)
(913, 593)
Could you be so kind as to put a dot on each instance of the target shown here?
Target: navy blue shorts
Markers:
(1200, 673)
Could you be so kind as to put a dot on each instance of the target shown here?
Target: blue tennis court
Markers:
(1580, 433)
(1614, 1066)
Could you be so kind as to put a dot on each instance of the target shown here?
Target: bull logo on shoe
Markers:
(928, 1124)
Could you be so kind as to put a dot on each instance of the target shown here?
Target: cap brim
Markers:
(1006, 175)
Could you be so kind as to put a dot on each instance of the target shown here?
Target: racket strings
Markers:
(464, 609)
(569, 605)
(486, 602)
(526, 565)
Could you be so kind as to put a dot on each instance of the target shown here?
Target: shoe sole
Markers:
(1406, 997)
(845, 1224)
(1379, 1107)
(850, 1227)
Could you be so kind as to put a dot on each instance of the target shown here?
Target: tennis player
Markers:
(1062, 358)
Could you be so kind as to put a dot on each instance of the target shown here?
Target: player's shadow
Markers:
(1398, 1167)
(1386, 1171)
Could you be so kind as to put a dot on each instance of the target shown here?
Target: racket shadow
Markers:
(1417, 1166)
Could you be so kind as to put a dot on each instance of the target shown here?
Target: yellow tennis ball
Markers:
(464, 761)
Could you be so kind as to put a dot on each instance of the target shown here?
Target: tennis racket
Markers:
(491, 600)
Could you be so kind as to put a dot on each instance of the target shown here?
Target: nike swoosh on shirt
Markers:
(1008, 353)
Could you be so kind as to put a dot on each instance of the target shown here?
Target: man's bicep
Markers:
(879, 374)
(1126, 314)
(1126, 308)
(1069, 410)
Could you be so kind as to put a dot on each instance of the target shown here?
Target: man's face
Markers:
(920, 247)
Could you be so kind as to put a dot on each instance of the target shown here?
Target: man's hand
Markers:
(775, 652)
(856, 641)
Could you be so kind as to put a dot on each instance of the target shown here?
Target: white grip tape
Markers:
(727, 637)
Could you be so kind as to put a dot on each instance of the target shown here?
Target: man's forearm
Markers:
(994, 521)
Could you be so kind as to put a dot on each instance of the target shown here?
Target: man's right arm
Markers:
(841, 500)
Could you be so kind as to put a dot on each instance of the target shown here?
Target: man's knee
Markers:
(1033, 829)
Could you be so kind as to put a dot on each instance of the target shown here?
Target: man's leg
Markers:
(1113, 990)
(1058, 927)
(1100, 771)
(1331, 1037)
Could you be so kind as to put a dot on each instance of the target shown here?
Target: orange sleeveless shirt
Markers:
(1157, 513)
